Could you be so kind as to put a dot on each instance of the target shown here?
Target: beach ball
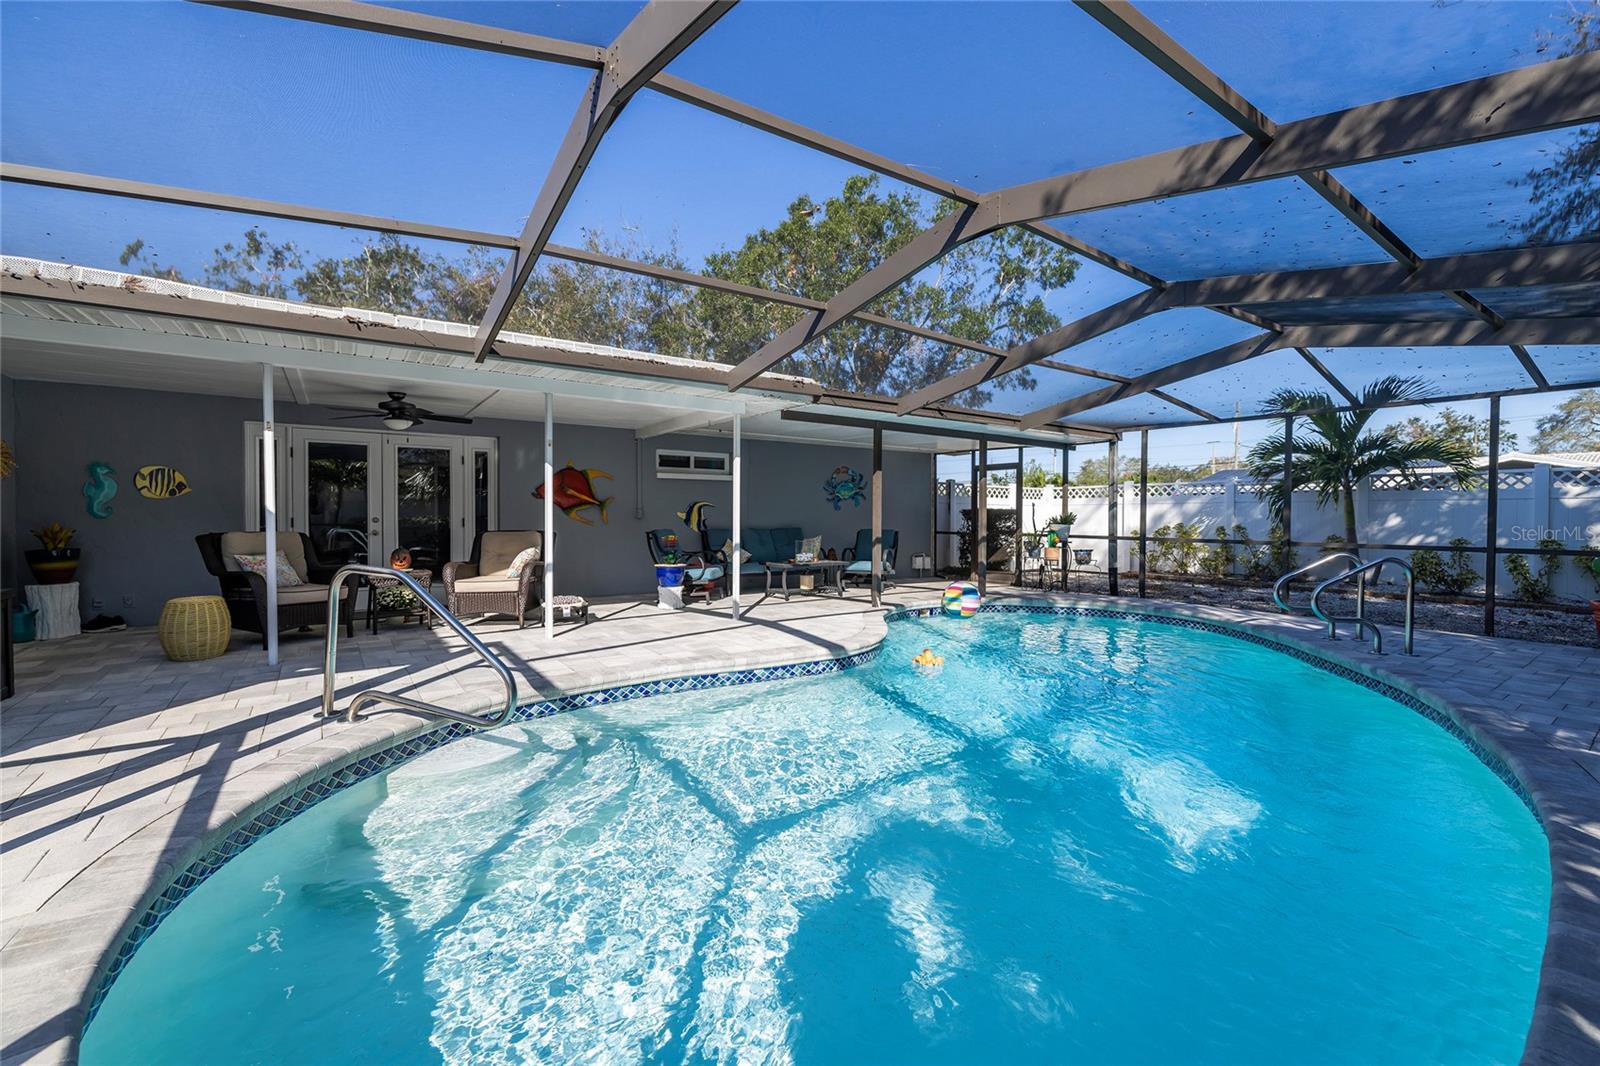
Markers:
(961, 599)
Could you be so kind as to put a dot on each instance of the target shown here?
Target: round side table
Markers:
(194, 628)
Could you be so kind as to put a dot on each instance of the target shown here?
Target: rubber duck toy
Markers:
(927, 662)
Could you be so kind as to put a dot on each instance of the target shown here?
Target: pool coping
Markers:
(1566, 1021)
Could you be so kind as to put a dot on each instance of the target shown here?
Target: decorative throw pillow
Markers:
(257, 564)
(727, 550)
(525, 558)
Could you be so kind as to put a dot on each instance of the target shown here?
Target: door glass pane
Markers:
(480, 491)
(336, 500)
(422, 505)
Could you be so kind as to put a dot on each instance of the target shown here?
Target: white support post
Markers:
(738, 513)
(549, 552)
(269, 500)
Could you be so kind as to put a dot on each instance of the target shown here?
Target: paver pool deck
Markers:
(117, 767)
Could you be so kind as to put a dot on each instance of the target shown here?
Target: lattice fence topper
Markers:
(1572, 480)
(1577, 481)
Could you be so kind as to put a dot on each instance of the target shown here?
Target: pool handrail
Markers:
(1280, 587)
(1360, 618)
(369, 696)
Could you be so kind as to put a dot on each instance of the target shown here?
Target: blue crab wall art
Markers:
(845, 484)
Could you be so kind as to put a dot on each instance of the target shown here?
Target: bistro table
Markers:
(389, 586)
(831, 570)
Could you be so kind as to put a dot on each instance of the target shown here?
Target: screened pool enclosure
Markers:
(1081, 220)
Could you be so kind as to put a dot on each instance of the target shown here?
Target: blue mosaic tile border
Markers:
(248, 832)
(1434, 714)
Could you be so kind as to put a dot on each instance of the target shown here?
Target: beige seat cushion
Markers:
(289, 544)
(295, 595)
(500, 548)
(487, 583)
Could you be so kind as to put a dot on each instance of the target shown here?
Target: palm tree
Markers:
(1339, 451)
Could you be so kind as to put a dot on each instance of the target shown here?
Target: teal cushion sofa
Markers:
(772, 545)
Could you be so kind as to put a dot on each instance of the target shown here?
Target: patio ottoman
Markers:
(569, 609)
(194, 628)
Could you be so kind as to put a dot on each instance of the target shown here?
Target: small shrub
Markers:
(1449, 579)
(1219, 558)
(1186, 546)
(1589, 563)
(1531, 587)
(1161, 551)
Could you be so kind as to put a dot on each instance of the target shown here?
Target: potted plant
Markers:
(57, 562)
(669, 571)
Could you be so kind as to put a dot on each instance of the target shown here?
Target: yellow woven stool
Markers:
(195, 627)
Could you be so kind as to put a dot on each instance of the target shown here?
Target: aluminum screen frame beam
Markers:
(1328, 376)
(1462, 397)
(374, 18)
(1358, 335)
(171, 194)
(655, 37)
(1542, 265)
(1530, 366)
(1550, 95)
(398, 22)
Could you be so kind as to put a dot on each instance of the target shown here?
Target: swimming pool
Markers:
(1087, 839)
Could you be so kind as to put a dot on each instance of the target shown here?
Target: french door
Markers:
(360, 494)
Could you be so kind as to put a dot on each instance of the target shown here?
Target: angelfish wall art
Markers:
(99, 490)
(575, 491)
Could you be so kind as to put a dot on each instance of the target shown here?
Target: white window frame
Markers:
(692, 474)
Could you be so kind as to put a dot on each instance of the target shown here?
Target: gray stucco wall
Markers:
(145, 551)
(9, 559)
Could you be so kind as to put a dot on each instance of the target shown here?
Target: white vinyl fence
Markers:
(1535, 502)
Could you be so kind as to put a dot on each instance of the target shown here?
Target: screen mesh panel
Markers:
(985, 94)
(237, 102)
(1247, 229)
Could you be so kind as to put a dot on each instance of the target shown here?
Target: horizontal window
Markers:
(707, 466)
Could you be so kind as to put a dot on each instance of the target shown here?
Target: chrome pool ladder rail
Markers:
(1280, 587)
(370, 696)
(1360, 617)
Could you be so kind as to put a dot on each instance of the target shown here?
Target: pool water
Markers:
(1086, 840)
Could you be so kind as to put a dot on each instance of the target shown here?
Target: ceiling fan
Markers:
(399, 414)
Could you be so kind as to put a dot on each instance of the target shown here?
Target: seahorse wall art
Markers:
(99, 490)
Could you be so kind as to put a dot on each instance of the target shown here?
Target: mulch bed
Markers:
(1565, 622)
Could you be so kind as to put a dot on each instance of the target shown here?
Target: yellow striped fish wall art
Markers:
(160, 482)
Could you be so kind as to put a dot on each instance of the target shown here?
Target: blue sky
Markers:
(985, 94)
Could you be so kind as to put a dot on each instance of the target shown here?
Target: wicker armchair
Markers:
(482, 584)
(301, 605)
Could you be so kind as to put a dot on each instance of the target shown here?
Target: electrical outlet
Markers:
(97, 605)
(127, 601)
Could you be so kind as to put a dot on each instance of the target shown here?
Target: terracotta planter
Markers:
(53, 566)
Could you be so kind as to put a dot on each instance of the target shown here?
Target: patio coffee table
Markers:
(832, 571)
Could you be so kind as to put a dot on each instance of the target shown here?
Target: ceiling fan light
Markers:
(398, 424)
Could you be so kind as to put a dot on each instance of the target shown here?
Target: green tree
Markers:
(1565, 194)
(1093, 471)
(1466, 429)
(1574, 426)
(1336, 450)
(1035, 476)
(988, 290)
(143, 259)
